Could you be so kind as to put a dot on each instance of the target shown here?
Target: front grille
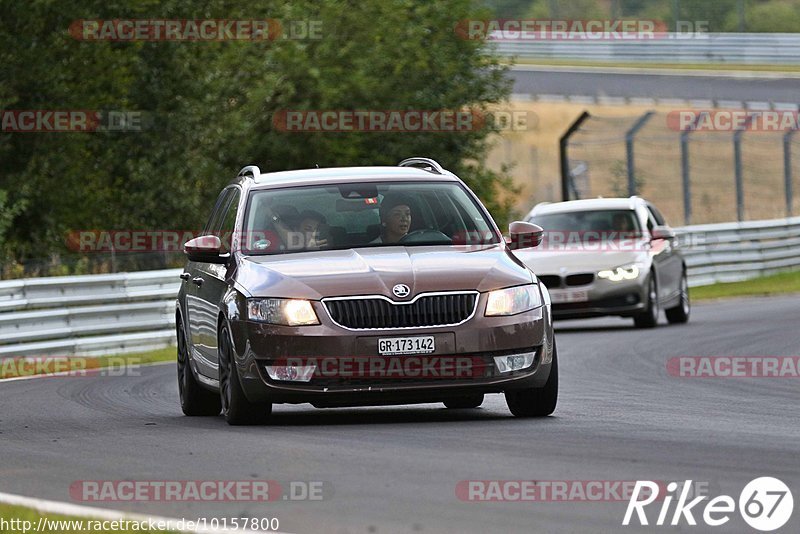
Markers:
(550, 281)
(580, 279)
(428, 310)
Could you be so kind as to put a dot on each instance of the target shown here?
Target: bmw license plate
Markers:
(389, 346)
(560, 296)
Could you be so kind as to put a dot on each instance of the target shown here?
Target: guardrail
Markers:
(735, 48)
(93, 314)
(732, 252)
(116, 313)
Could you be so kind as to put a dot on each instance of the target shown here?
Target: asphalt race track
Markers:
(395, 469)
(585, 82)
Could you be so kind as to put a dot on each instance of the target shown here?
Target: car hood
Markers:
(374, 271)
(561, 262)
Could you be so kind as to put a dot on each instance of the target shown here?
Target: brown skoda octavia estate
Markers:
(360, 286)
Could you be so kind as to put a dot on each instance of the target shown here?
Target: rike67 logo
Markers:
(765, 504)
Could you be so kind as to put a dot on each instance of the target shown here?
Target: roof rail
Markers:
(250, 170)
(428, 164)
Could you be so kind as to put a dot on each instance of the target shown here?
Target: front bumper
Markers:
(476, 341)
(600, 298)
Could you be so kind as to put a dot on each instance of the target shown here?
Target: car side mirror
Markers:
(662, 232)
(524, 235)
(205, 249)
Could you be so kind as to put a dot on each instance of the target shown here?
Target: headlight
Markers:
(513, 300)
(624, 272)
(287, 312)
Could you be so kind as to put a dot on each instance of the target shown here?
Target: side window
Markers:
(214, 220)
(229, 221)
(657, 214)
(654, 218)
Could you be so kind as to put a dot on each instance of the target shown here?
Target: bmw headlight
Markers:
(287, 312)
(623, 272)
(513, 300)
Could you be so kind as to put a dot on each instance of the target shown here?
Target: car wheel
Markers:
(195, 400)
(649, 317)
(235, 406)
(680, 313)
(536, 402)
(463, 403)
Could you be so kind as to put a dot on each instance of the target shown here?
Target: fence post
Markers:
(566, 176)
(787, 170)
(687, 184)
(737, 167)
(629, 135)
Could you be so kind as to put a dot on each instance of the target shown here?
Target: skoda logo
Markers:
(401, 290)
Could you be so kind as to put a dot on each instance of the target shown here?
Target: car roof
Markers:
(589, 204)
(338, 175)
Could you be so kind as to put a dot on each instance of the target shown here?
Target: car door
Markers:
(201, 317)
(666, 259)
(212, 284)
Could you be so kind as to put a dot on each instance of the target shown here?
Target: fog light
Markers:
(291, 373)
(514, 362)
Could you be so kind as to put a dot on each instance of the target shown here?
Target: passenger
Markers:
(311, 226)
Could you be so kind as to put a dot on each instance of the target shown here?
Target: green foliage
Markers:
(774, 16)
(209, 107)
(572, 10)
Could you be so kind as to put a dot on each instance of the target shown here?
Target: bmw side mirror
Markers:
(205, 249)
(524, 235)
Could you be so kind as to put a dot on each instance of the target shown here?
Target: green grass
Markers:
(16, 367)
(687, 66)
(776, 284)
(9, 513)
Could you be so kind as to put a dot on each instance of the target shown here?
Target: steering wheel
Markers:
(424, 235)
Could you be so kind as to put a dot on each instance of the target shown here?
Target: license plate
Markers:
(561, 296)
(389, 346)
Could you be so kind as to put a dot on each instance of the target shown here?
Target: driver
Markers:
(395, 213)
(622, 223)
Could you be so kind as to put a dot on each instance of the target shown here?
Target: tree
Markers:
(209, 106)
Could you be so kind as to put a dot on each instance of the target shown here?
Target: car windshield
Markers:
(601, 224)
(296, 219)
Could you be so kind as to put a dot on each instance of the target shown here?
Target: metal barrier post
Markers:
(566, 176)
(629, 135)
(737, 161)
(687, 184)
(787, 170)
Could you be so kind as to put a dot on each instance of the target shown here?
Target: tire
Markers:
(680, 313)
(195, 400)
(649, 317)
(235, 406)
(464, 403)
(536, 402)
